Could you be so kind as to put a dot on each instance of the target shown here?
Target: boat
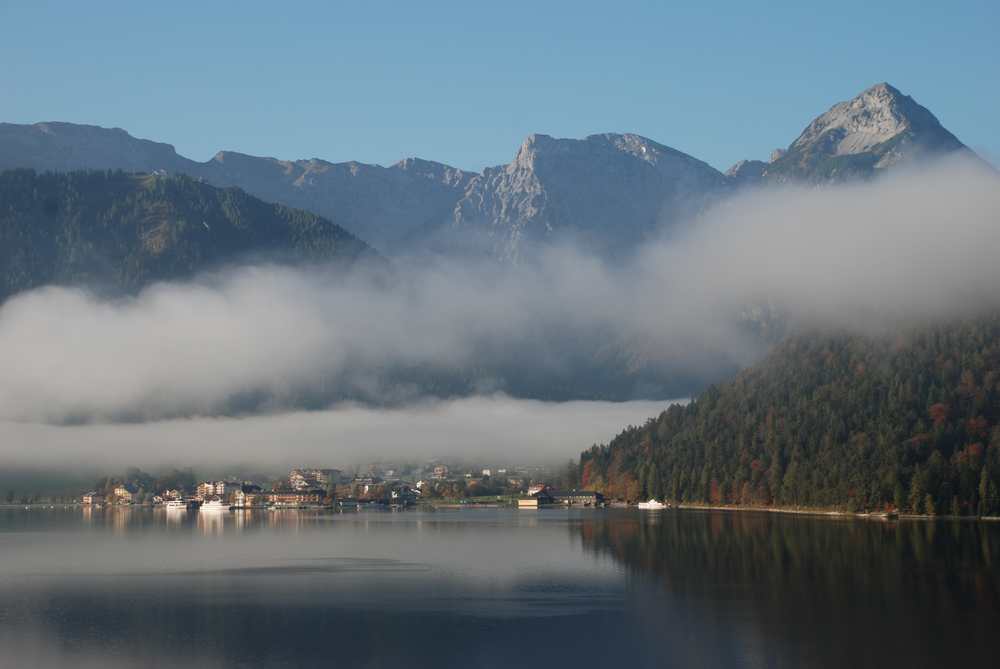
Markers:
(652, 505)
(175, 505)
(214, 505)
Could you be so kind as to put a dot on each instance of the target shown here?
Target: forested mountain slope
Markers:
(910, 422)
(122, 231)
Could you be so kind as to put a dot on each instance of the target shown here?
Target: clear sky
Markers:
(464, 82)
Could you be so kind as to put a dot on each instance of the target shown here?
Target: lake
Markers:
(493, 588)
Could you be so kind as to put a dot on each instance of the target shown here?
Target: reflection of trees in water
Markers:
(866, 579)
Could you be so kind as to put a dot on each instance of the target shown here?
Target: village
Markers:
(385, 486)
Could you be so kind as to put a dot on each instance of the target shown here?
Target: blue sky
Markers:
(464, 82)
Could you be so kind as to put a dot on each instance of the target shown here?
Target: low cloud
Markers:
(914, 247)
(492, 429)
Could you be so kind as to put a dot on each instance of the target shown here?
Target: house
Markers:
(536, 488)
(302, 479)
(92, 498)
(125, 493)
(249, 495)
(403, 495)
(362, 485)
(538, 500)
(577, 497)
(295, 497)
(220, 489)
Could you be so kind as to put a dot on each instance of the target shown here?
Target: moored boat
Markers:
(214, 505)
(652, 505)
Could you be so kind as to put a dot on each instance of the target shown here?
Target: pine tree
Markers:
(987, 493)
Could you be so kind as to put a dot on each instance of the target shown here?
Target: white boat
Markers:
(175, 505)
(214, 505)
(652, 505)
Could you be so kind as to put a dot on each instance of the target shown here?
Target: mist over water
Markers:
(492, 429)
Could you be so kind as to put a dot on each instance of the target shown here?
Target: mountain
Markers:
(859, 138)
(64, 147)
(554, 188)
(607, 191)
(910, 422)
(746, 172)
(121, 231)
(387, 206)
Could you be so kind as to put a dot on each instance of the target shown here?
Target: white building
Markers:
(304, 479)
(94, 498)
(220, 489)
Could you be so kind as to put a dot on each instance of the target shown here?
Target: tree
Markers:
(985, 493)
(917, 492)
(929, 505)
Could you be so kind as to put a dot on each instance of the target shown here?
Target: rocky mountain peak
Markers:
(747, 172)
(434, 171)
(875, 116)
(607, 191)
(857, 138)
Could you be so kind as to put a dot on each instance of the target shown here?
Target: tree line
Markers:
(908, 422)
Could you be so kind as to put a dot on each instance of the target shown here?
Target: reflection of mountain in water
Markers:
(908, 593)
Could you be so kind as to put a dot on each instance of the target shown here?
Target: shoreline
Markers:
(828, 513)
(685, 506)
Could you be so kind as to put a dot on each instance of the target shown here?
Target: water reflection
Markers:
(174, 517)
(211, 522)
(917, 590)
(121, 517)
(130, 587)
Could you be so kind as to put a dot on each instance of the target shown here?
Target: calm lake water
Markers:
(493, 588)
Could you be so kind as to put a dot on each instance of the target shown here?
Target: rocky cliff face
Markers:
(608, 192)
(876, 130)
(746, 173)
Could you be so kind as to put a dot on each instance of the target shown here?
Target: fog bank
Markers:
(914, 247)
(495, 430)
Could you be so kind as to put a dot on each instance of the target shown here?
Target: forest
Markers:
(908, 421)
(117, 231)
